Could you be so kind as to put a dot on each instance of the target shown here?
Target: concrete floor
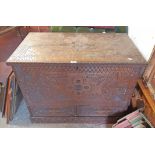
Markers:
(21, 120)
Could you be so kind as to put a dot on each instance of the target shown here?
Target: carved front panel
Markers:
(77, 89)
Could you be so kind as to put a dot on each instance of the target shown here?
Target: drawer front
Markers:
(77, 89)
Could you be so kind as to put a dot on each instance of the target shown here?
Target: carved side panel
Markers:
(77, 89)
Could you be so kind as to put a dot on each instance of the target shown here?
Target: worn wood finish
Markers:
(150, 69)
(148, 90)
(5, 71)
(9, 40)
(67, 76)
(147, 95)
(6, 29)
(149, 102)
(149, 74)
(72, 119)
(77, 47)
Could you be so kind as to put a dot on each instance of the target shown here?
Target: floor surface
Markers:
(21, 120)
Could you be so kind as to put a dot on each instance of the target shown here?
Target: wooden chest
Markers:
(77, 77)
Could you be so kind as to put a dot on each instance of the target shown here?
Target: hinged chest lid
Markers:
(78, 48)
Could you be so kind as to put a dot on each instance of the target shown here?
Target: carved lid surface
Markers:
(51, 47)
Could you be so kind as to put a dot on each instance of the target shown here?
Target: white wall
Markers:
(144, 38)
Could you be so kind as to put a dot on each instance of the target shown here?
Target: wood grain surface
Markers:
(77, 48)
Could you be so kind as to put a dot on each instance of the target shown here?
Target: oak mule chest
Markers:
(77, 77)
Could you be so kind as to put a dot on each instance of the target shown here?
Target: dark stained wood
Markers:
(77, 75)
